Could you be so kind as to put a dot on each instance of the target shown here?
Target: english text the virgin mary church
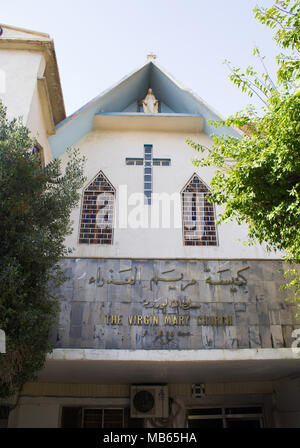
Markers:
(167, 319)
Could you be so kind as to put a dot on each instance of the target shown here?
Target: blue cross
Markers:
(148, 163)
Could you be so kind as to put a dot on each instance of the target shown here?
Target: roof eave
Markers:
(100, 96)
(46, 47)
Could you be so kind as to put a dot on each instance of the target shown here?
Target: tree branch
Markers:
(266, 71)
(283, 10)
(249, 84)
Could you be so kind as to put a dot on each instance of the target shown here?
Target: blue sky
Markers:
(99, 42)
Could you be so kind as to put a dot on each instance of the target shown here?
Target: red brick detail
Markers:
(96, 222)
(199, 225)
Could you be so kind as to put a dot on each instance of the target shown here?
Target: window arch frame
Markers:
(213, 236)
(81, 239)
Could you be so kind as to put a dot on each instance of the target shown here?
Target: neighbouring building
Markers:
(167, 319)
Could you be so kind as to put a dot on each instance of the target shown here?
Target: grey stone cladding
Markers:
(173, 305)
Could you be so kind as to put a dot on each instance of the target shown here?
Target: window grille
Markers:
(97, 214)
(199, 227)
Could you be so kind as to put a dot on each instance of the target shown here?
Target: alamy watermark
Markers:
(133, 213)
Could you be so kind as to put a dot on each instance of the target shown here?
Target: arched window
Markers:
(199, 226)
(97, 215)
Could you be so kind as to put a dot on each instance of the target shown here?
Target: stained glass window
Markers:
(96, 225)
(199, 228)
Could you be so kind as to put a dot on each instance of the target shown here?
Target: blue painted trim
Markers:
(175, 96)
(96, 99)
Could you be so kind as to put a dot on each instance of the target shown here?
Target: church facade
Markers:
(167, 319)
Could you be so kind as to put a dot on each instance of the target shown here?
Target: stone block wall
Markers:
(173, 305)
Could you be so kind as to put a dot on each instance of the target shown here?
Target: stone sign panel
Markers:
(173, 304)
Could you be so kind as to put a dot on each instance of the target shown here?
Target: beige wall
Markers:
(40, 404)
(36, 124)
(37, 415)
(20, 70)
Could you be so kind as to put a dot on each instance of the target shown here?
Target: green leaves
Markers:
(35, 208)
(284, 17)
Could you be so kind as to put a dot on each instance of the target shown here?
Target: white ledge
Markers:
(177, 356)
(169, 366)
(149, 122)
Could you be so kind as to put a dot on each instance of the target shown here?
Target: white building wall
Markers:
(19, 72)
(107, 151)
(36, 124)
(20, 68)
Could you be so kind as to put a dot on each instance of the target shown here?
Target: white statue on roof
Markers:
(150, 103)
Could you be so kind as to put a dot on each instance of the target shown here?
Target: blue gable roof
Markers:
(121, 98)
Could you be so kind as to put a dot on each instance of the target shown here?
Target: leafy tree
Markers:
(257, 177)
(284, 16)
(35, 207)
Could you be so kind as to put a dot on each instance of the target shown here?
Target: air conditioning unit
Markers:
(149, 401)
